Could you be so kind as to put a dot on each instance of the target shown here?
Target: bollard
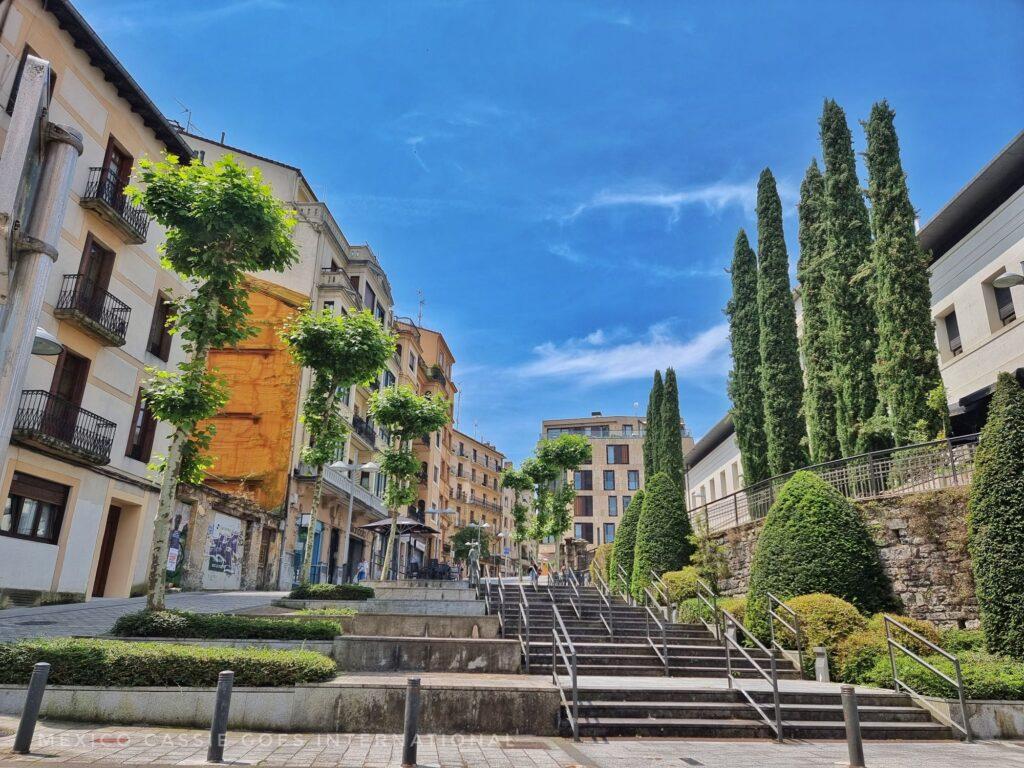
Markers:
(851, 717)
(821, 673)
(219, 723)
(33, 701)
(412, 716)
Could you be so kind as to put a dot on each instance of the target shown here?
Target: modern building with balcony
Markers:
(78, 496)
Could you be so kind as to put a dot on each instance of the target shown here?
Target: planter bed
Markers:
(184, 624)
(407, 625)
(378, 606)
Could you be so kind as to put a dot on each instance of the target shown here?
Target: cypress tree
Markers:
(781, 378)
(651, 444)
(670, 450)
(907, 368)
(745, 377)
(625, 542)
(847, 271)
(819, 400)
(662, 533)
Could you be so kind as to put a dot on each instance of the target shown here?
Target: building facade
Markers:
(477, 493)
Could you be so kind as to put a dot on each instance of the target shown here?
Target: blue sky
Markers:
(564, 180)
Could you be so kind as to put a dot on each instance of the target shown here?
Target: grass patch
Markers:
(221, 626)
(327, 611)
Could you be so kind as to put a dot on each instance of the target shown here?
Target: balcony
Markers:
(104, 194)
(56, 426)
(365, 429)
(95, 311)
(472, 498)
(436, 374)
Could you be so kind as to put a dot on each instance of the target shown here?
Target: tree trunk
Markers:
(390, 546)
(307, 549)
(162, 523)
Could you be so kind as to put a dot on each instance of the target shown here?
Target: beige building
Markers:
(79, 499)
(478, 498)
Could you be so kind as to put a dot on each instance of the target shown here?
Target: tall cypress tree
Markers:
(651, 444)
(670, 451)
(819, 399)
(847, 272)
(745, 377)
(907, 368)
(781, 378)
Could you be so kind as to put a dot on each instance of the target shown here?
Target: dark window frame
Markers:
(29, 487)
(141, 434)
(159, 342)
(606, 475)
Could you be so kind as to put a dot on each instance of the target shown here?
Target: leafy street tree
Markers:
(625, 543)
(651, 444)
(907, 368)
(406, 416)
(519, 483)
(846, 267)
(341, 351)
(464, 539)
(221, 222)
(782, 382)
(543, 478)
(564, 455)
(819, 397)
(662, 533)
(670, 452)
(745, 377)
(996, 520)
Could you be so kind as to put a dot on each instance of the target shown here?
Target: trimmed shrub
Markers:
(737, 606)
(995, 523)
(985, 676)
(924, 628)
(681, 584)
(75, 661)
(692, 610)
(623, 549)
(331, 592)
(600, 563)
(662, 534)
(824, 620)
(857, 655)
(960, 640)
(221, 626)
(814, 541)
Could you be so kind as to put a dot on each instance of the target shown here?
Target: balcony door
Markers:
(67, 388)
(117, 168)
(94, 278)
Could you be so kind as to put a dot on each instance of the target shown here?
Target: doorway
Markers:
(67, 388)
(332, 557)
(99, 585)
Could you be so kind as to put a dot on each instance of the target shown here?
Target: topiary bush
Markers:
(856, 656)
(221, 625)
(662, 533)
(814, 541)
(77, 661)
(995, 522)
(985, 676)
(682, 584)
(331, 592)
(623, 549)
(692, 610)
(824, 620)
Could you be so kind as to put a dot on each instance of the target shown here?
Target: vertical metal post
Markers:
(775, 696)
(854, 744)
(736, 507)
(892, 656)
(410, 737)
(728, 655)
(952, 460)
(219, 724)
(33, 701)
(968, 736)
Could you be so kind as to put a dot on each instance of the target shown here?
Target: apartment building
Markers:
(478, 496)
(713, 467)
(605, 488)
(78, 497)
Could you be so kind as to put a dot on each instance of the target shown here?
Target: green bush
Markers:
(996, 520)
(623, 549)
(662, 534)
(737, 606)
(959, 640)
(76, 661)
(692, 610)
(682, 584)
(985, 676)
(923, 627)
(331, 592)
(814, 541)
(221, 625)
(600, 563)
(825, 620)
(856, 655)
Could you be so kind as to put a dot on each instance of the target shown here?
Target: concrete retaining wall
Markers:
(989, 719)
(422, 593)
(423, 607)
(405, 625)
(325, 647)
(425, 654)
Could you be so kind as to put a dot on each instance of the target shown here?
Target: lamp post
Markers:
(349, 469)
(504, 536)
(479, 526)
(1010, 279)
(437, 513)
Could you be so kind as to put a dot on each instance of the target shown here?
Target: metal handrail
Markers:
(624, 578)
(661, 591)
(663, 654)
(575, 589)
(605, 596)
(958, 683)
(501, 608)
(557, 649)
(773, 604)
(524, 621)
(773, 678)
(706, 595)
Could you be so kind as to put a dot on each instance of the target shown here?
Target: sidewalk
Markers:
(81, 744)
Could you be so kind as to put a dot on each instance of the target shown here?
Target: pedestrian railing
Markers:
(567, 651)
(523, 626)
(605, 594)
(623, 581)
(575, 599)
(661, 593)
(779, 612)
(662, 654)
(732, 641)
(709, 600)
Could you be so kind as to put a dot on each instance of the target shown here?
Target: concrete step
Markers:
(747, 728)
(741, 709)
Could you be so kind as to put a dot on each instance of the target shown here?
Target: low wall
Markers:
(422, 593)
(325, 647)
(427, 654)
(989, 719)
(402, 607)
(404, 625)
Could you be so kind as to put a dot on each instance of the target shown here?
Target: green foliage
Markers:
(565, 452)
(814, 540)
(518, 482)
(692, 610)
(670, 450)
(957, 640)
(682, 584)
(824, 620)
(624, 546)
(662, 533)
(819, 397)
(996, 520)
(220, 625)
(115, 663)
(464, 538)
(745, 377)
(907, 368)
(986, 677)
(653, 425)
(847, 274)
(782, 382)
(710, 554)
(331, 592)
(923, 627)
(736, 605)
(857, 654)
(601, 562)
(407, 415)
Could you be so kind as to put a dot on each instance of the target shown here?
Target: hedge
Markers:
(825, 620)
(814, 541)
(692, 610)
(221, 626)
(682, 584)
(600, 563)
(985, 676)
(331, 592)
(624, 547)
(75, 661)
(662, 533)
(959, 640)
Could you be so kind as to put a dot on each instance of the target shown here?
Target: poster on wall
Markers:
(224, 553)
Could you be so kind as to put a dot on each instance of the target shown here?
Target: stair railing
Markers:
(624, 580)
(661, 591)
(707, 597)
(574, 589)
(501, 608)
(663, 653)
(604, 592)
(558, 648)
(791, 622)
(772, 676)
(524, 625)
(958, 683)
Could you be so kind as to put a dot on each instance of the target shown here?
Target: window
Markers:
(382, 315)
(953, 334)
(627, 430)
(25, 53)
(437, 473)
(34, 509)
(609, 533)
(369, 297)
(389, 379)
(583, 480)
(633, 479)
(1004, 305)
(625, 502)
(412, 361)
(474, 455)
(117, 167)
(584, 531)
(140, 436)
(721, 482)
(711, 489)
(618, 454)
(398, 352)
(159, 343)
(613, 506)
(583, 506)
(609, 479)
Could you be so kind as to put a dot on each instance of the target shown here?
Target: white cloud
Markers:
(567, 252)
(714, 197)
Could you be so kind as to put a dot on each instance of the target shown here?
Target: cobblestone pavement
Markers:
(82, 744)
(96, 617)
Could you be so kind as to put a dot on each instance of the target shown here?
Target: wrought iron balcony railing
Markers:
(96, 311)
(104, 193)
(365, 429)
(55, 425)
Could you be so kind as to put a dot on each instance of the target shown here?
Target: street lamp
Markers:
(437, 513)
(1010, 279)
(349, 469)
(504, 536)
(45, 344)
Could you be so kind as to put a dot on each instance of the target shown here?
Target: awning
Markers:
(405, 525)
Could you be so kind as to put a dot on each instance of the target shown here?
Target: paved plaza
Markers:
(81, 744)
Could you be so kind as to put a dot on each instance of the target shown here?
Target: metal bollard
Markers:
(412, 717)
(851, 717)
(219, 724)
(33, 701)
